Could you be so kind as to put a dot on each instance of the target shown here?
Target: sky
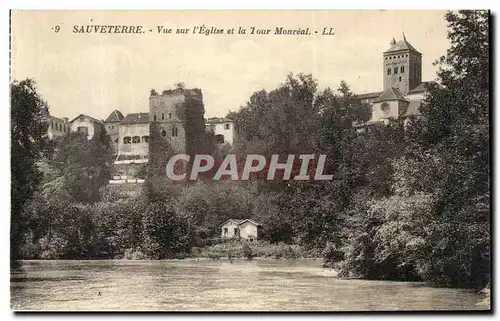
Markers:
(97, 73)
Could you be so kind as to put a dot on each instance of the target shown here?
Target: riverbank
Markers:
(236, 249)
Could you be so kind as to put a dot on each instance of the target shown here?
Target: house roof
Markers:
(374, 94)
(213, 120)
(240, 221)
(421, 88)
(115, 117)
(390, 94)
(136, 118)
(87, 116)
(401, 45)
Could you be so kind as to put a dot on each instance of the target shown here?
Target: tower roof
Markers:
(391, 94)
(400, 46)
(115, 116)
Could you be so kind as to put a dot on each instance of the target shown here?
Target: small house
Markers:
(241, 228)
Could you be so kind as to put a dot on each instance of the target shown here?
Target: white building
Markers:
(224, 129)
(86, 124)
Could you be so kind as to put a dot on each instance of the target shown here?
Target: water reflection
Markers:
(208, 285)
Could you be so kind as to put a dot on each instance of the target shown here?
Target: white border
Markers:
(184, 5)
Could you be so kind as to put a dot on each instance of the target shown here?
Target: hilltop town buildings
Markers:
(403, 89)
(179, 113)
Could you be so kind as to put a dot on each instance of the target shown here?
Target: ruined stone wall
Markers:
(180, 116)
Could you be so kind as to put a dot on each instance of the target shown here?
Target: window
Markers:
(219, 139)
(389, 72)
(399, 78)
(163, 133)
(145, 139)
(154, 117)
(227, 126)
(82, 118)
(225, 231)
(136, 139)
(162, 116)
(169, 115)
(402, 69)
(127, 140)
(384, 107)
(174, 131)
(83, 129)
(395, 70)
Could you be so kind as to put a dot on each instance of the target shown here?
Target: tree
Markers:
(85, 165)
(456, 130)
(157, 186)
(165, 234)
(180, 85)
(430, 217)
(280, 121)
(28, 127)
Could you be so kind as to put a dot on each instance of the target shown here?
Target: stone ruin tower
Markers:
(180, 115)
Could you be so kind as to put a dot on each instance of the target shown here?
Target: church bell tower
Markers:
(402, 66)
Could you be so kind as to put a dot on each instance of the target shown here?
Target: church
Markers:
(403, 89)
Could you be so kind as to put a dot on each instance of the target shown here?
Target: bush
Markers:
(247, 251)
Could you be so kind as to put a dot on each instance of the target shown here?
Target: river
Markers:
(204, 285)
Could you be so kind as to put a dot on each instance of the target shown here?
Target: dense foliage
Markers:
(27, 114)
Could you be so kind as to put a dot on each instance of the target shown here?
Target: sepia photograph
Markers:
(250, 161)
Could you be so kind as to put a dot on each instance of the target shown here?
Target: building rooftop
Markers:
(240, 221)
(87, 116)
(401, 45)
(136, 118)
(114, 117)
(213, 120)
(391, 94)
(369, 95)
(421, 88)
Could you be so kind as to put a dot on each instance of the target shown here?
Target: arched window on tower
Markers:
(389, 72)
(154, 117)
(163, 133)
(402, 69)
(175, 131)
(395, 70)
(162, 116)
